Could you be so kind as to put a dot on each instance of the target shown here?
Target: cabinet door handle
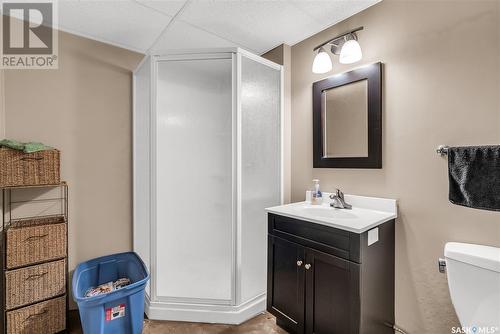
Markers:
(308, 266)
(299, 263)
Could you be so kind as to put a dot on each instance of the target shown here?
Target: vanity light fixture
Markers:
(351, 52)
(322, 62)
(345, 45)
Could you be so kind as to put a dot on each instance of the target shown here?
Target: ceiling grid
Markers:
(152, 25)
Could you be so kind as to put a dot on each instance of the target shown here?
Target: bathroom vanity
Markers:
(332, 270)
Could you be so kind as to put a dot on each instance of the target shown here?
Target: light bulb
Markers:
(322, 62)
(351, 52)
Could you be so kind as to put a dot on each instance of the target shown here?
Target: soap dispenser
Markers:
(316, 196)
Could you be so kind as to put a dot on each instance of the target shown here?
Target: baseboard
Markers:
(220, 314)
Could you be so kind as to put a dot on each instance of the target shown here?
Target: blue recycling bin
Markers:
(120, 311)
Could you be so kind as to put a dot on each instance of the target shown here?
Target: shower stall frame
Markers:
(232, 311)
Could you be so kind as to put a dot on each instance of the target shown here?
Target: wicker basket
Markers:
(35, 240)
(31, 284)
(23, 169)
(47, 317)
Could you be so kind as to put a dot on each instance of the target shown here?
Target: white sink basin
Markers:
(324, 211)
(366, 212)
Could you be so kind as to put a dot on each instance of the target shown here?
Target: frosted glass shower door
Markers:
(194, 180)
(260, 168)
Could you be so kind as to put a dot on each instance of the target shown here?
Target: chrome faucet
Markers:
(338, 201)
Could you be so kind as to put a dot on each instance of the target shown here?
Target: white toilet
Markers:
(474, 282)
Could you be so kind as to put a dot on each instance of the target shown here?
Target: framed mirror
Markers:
(347, 119)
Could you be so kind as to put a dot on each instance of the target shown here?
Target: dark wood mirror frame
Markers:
(373, 74)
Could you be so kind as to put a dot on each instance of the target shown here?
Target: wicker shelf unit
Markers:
(34, 280)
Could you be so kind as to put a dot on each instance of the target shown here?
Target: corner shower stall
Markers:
(207, 161)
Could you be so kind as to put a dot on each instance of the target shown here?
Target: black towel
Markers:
(474, 175)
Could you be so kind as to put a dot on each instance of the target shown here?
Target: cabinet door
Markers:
(285, 292)
(332, 294)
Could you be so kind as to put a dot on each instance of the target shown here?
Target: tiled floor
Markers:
(262, 324)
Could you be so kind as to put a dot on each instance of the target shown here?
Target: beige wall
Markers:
(441, 86)
(277, 54)
(84, 109)
(2, 103)
(282, 55)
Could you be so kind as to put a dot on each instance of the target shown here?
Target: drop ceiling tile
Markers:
(256, 25)
(181, 35)
(124, 23)
(169, 7)
(327, 13)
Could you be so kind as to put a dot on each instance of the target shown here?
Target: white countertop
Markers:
(366, 212)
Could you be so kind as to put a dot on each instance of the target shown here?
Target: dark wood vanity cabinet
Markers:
(323, 280)
(287, 296)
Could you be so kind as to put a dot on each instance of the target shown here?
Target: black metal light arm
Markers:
(338, 37)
